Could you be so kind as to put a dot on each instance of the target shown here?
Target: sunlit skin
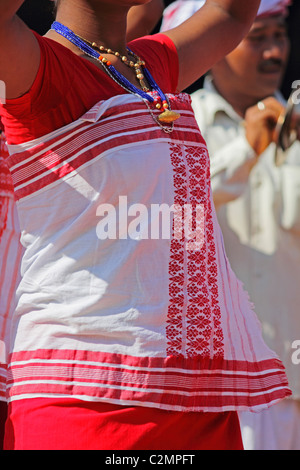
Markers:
(105, 22)
(143, 19)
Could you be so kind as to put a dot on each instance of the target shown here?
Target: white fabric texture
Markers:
(137, 319)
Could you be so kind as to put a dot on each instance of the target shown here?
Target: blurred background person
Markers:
(257, 202)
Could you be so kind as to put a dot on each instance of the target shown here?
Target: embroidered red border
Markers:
(170, 383)
(194, 316)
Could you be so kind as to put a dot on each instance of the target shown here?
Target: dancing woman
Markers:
(124, 336)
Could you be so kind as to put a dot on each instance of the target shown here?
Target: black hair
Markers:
(38, 14)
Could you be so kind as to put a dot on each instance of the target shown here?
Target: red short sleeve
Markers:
(67, 86)
(162, 59)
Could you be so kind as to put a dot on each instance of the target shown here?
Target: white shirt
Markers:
(259, 213)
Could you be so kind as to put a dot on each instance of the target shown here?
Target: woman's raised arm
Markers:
(19, 51)
(210, 34)
(142, 19)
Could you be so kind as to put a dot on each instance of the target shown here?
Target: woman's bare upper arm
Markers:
(19, 57)
(210, 34)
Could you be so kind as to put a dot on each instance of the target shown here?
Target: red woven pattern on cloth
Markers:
(194, 327)
(6, 185)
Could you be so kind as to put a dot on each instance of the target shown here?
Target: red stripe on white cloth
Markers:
(3, 374)
(3, 147)
(55, 159)
(201, 384)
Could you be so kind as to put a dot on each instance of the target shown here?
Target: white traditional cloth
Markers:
(10, 256)
(180, 10)
(129, 318)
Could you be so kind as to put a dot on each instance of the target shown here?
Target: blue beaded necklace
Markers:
(167, 117)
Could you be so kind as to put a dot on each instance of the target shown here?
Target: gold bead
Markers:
(109, 51)
(158, 106)
(124, 58)
(140, 76)
(168, 116)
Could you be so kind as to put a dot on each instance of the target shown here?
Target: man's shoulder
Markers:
(201, 94)
(205, 103)
(206, 97)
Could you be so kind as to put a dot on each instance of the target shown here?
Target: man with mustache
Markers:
(258, 203)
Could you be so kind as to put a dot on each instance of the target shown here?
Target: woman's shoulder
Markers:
(65, 87)
(160, 55)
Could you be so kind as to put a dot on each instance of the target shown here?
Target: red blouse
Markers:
(67, 86)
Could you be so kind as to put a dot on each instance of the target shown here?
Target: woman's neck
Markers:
(94, 21)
